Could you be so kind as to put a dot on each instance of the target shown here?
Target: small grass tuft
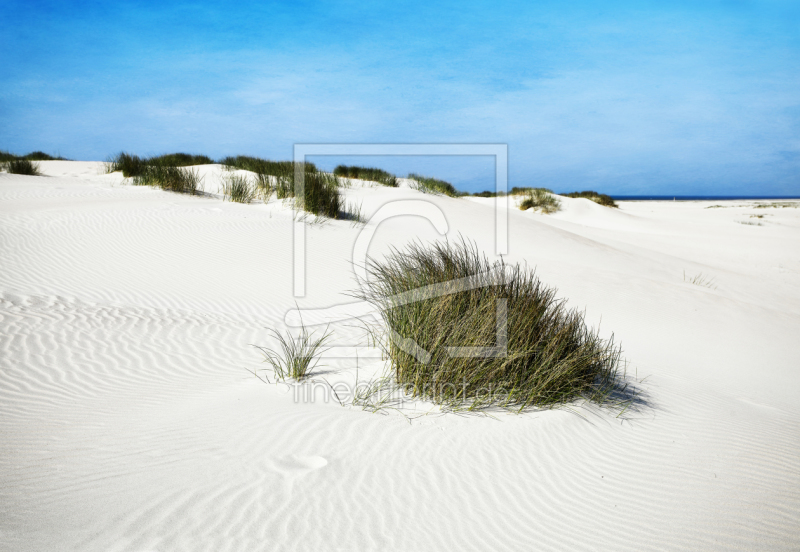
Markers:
(366, 173)
(524, 190)
(541, 199)
(321, 194)
(434, 185)
(777, 205)
(180, 160)
(130, 165)
(700, 280)
(601, 199)
(551, 356)
(263, 166)
(22, 166)
(298, 356)
(353, 212)
(174, 179)
(236, 188)
(42, 156)
(488, 193)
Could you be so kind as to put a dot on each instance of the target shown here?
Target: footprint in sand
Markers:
(297, 464)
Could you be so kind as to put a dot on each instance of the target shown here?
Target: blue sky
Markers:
(624, 98)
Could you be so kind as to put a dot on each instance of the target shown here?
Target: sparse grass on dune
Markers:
(263, 166)
(524, 190)
(778, 205)
(366, 173)
(601, 199)
(277, 175)
(552, 357)
(22, 166)
(321, 195)
(541, 199)
(353, 212)
(434, 185)
(700, 280)
(180, 160)
(167, 172)
(236, 188)
(32, 156)
(264, 186)
(42, 156)
(515, 191)
(130, 165)
(298, 356)
(174, 179)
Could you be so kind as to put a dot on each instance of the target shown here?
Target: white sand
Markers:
(129, 421)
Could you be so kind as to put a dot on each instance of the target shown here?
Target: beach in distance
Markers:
(137, 412)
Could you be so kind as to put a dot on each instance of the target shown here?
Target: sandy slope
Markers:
(129, 421)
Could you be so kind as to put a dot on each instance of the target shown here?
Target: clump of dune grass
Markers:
(22, 166)
(180, 160)
(284, 187)
(270, 175)
(540, 199)
(32, 156)
(433, 185)
(488, 193)
(321, 195)
(297, 356)
(174, 179)
(366, 173)
(450, 300)
(237, 188)
(130, 165)
(42, 156)
(525, 190)
(264, 186)
(353, 212)
(700, 280)
(601, 199)
(167, 172)
(265, 166)
(777, 205)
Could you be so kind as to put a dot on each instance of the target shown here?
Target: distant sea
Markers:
(695, 198)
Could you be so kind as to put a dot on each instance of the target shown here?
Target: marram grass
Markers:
(22, 166)
(433, 185)
(174, 179)
(601, 199)
(541, 199)
(321, 194)
(552, 357)
(297, 356)
(236, 188)
(366, 173)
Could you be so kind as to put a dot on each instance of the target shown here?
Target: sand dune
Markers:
(131, 420)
